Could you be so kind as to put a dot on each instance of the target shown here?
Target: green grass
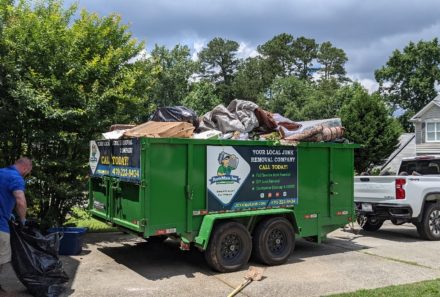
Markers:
(422, 289)
(81, 218)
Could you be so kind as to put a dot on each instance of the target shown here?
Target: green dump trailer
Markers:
(229, 198)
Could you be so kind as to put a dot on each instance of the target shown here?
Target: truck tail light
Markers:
(400, 192)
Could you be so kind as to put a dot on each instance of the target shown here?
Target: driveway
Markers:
(116, 264)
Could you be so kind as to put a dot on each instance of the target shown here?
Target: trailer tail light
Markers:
(400, 192)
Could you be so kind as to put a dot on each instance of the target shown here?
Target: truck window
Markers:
(423, 167)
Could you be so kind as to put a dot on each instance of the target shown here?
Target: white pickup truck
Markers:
(413, 196)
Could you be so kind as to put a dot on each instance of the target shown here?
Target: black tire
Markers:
(229, 247)
(372, 224)
(429, 227)
(273, 241)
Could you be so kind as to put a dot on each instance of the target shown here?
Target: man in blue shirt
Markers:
(12, 196)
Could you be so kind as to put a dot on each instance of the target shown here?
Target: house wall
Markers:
(420, 137)
(423, 147)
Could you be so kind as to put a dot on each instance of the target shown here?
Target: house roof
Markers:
(406, 142)
(418, 115)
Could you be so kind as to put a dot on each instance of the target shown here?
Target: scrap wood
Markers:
(161, 129)
(253, 274)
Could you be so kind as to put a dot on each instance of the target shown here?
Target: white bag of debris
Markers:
(238, 116)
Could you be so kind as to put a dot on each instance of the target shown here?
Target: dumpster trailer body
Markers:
(226, 197)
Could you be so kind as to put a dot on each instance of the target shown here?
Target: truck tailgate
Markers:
(375, 189)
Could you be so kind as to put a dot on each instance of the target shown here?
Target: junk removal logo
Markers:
(226, 171)
(94, 156)
(245, 177)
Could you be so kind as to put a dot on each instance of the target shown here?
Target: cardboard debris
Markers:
(253, 274)
(161, 129)
(121, 127)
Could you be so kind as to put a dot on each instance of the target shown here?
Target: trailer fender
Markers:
(209, 221)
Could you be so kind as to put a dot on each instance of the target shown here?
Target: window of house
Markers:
(433, 131)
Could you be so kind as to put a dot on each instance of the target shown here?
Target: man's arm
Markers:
(21, 205)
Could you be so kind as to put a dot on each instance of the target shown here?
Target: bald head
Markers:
(24, 166)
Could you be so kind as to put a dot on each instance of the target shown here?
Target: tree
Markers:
(305, 50)
(409, 78)
(252, 80)
(290, 94)
(278, 54)
(368, 122)
(332, 61)
(174, 69)
(405, 123)
(202, 97)
(325, 100)
(219, 64)
(64, 82)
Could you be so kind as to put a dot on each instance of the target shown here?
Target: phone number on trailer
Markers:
(126, 172)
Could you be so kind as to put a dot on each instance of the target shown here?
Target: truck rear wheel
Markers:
(273, 241)
(370, 224)
(229, 248)
(429, 227)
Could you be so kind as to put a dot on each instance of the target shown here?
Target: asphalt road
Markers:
(117, 264)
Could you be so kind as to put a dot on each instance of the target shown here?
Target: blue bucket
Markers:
(71, 242)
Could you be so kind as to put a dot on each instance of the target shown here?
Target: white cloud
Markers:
(198, 45)
(143, 55)
(370, 84)
(246, 51)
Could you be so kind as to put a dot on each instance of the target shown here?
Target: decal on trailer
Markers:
(99, 159)
(244, 177)
(125, 162)
(116, 158)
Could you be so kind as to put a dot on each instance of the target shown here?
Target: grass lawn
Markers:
(422, 289)
(81, 218)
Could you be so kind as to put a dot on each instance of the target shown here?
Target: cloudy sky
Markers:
(368, 30)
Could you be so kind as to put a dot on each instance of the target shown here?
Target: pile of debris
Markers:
(241, 120)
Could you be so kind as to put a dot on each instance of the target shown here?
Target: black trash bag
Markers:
(35, 261)
(176, 114)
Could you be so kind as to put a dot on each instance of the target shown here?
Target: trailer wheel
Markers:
(229, 248)
(429, 227)
(370, 224)
(273, 241)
